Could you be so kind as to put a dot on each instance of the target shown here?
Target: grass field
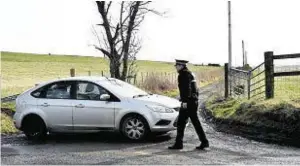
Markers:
(287, 88)
(21, 71)
(7, 125)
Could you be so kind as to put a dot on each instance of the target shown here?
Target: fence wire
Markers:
(287, 87)
(238, 83)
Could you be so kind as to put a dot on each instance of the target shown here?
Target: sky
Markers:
(195, 30)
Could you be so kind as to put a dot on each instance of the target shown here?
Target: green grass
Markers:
(7, 125)
(224, 109)
(282, 110)
(9, 105)
(287, 88)
(254, 112)
(171, 93)
(20, 71)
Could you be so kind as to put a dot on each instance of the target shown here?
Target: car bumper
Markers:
(17, 121)
(163, 122)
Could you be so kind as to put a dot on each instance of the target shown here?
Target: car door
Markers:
(90, 113)
(55, 100)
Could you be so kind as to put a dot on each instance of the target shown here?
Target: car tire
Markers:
(135, 128)
(35, 129)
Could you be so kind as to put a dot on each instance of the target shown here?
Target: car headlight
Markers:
(160, 109)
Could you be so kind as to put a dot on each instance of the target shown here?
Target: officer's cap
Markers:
(181, 62)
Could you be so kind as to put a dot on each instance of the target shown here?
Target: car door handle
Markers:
(45, 105)
(79, 106)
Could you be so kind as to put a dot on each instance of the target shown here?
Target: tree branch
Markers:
(116, 33)
(125, 51)
(108, 6)
(153, 11)
(103, 51)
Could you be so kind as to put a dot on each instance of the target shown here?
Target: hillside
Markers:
(22, 70)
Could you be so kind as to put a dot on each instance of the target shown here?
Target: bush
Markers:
(207, 77)
(158, 84)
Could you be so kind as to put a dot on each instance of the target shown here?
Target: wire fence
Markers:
(140, 78)
(238, 83)
(287, 87)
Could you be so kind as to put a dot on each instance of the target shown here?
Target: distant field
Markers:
(287, 88)
(21, 71)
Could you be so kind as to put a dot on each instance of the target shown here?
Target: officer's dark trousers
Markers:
(184, 114)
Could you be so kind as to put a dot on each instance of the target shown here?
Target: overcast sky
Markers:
(193, 30)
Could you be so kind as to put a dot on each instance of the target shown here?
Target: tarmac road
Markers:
(109, 148)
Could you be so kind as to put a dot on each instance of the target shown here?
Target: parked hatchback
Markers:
(93, 104)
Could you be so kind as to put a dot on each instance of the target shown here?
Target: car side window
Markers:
(60, 90)
(89, 91)
(37, 93)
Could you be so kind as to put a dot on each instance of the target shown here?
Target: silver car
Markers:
(93, 104)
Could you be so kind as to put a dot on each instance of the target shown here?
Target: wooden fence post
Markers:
(226, 80)
(134, 79)
(102, 73)
(269, 75)
(72, 72)
(249, 84)
(89, 73)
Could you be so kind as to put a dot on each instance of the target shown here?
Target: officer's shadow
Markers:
(188, 152)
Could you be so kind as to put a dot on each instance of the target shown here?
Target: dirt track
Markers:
(108, 148)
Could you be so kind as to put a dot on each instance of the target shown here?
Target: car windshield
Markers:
(122, 88)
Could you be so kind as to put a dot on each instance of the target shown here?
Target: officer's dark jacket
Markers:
(187, 86)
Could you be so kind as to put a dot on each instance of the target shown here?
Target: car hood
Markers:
(160, 100)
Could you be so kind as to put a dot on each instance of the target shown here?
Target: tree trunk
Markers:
(128, 38)
(115, 68)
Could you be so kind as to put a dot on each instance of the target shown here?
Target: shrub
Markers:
(156, 84)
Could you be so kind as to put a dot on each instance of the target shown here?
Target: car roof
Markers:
(78, 78)
(86, 78)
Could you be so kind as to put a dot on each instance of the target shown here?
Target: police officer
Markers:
(189, 107)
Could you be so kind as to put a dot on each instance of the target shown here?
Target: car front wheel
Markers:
(135, 127)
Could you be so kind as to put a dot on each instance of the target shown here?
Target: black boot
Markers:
(176, 146)
(203, 145)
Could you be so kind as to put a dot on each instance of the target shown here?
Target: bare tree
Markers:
(119, 40)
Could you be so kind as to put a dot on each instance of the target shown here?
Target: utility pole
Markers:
(246, 60)
(243, 46)
(229, 36)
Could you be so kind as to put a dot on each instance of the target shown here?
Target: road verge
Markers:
(278, 124)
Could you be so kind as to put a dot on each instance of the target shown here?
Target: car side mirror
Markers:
(104, 97)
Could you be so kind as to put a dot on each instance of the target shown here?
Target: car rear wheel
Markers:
(135, 127)
(35, 128)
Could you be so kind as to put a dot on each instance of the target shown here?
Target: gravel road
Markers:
(109, 148)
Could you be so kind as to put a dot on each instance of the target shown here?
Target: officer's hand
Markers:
(184, 105)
